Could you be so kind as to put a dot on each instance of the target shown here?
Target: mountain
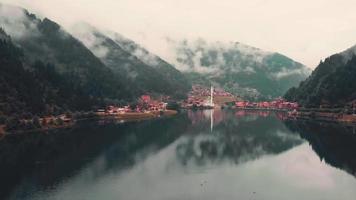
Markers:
(34, 89)
(174, 75)
(46, 41)
(243, 70)
(126, 58)
(332, 82)
(45, 70)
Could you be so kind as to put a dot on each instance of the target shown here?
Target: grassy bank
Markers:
(130, 116)
(337, 115)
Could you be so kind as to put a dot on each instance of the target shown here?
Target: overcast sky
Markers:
(305, 30)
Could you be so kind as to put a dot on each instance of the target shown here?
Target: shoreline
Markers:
(124, 117)
(313, 114)
(324, 116)
(138, 115)
(264, 109)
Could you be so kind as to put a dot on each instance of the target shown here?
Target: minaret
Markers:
(211, 95)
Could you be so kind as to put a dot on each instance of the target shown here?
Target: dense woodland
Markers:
(140, 68)
(332, 83)
(47, 71)
(37, 89)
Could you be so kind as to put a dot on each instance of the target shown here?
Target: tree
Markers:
(59, 121)
(12, 123)
(2, 119)
(36, 122)
(133, 105)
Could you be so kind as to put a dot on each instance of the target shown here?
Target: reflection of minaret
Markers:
(212, 111)
(211, 120)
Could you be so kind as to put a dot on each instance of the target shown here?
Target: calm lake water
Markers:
(195, 155)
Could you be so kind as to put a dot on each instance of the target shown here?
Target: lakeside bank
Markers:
(60, 122)
(323, 116)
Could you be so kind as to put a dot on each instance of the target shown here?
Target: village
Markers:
(277, 104)
(145, 108)
(148, 107)
(202, 97)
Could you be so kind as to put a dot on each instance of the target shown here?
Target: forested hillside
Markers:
(147, 71)
(36, 89)
(332, 83)
(47, 71)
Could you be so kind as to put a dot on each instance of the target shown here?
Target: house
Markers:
(146, 98)
(64, 118)
(241, 104)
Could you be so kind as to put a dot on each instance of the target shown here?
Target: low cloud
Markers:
(87, 35)
(16, 22)
(349, 53)
(290, 72)
(145, 56)
(133, 48)
(214, 57)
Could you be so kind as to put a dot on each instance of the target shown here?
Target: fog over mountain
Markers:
(290, 27)
(241, 69)
(128, 59)
(49, 71)
(46, 70)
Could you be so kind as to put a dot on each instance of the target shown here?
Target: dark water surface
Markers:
(196, 155)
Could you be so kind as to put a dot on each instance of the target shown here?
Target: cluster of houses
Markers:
(145, 104)
(114, 110)
(199, 95)
(51, 119)
(278, 104)
(202, 91)
(194, 100)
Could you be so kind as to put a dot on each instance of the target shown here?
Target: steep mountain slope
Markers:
(240, 69)
(46, 41)
(171, 73)
(34, 89)
(332, 82)
(149, 72)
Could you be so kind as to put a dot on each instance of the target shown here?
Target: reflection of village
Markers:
(235, 135)
(217, 116)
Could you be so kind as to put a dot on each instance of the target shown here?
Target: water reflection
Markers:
(195, 155)
(334, 143)
(39, 161)
(233, 139)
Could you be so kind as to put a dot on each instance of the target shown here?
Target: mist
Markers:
(306, 31)
(15, 23)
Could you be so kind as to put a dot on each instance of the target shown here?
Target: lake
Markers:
(206, 155)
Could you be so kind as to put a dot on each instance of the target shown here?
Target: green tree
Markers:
(36, 122)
